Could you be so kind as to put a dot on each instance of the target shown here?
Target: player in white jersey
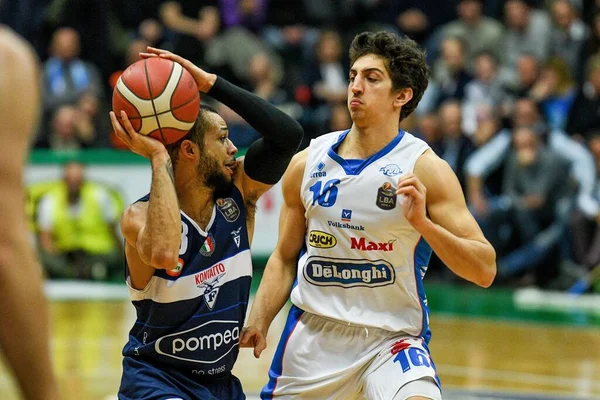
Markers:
(363, 209)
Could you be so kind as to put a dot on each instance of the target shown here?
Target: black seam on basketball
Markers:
(164, 112)
(152, 97)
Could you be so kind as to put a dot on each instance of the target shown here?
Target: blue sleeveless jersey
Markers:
(189, 319)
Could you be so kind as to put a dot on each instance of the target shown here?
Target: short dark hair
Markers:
(195, 134)
(403, 58)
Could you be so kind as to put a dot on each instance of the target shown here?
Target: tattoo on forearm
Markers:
(170, 171)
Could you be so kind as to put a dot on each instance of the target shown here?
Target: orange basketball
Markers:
(160, 98)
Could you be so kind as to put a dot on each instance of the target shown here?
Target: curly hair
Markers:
(403, 58)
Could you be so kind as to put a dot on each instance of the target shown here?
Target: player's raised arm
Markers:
(267, 158)
(450, 230)
(280, 272)
(152, 232)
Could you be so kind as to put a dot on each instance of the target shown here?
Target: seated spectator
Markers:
(78, 225)
(568, 35)
(450, 71)
(65, 76)
(485, 90)
(69, 131)
(480, 33)
(585, 219)
(528, 72)
(555, 92)
(193, 25)
(528, 33)
(584, 116)
(455, 147)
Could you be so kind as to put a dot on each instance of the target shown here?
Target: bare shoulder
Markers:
(438, 177)
(133, 219)
(292, 179)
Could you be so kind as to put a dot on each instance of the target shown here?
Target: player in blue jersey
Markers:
(188, 245)
(363, 209)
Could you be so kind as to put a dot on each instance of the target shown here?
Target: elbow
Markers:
(164, 259)
(295, 135)
(488, 272)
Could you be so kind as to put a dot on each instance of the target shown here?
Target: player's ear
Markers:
(189, 149)
(403, 97)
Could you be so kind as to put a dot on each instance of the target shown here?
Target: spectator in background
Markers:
(568, 35)
(584, 115)
(455, 147)
(555, 92)
(536, 185)
(251, 14)
(77, 221)
(70, 130)
(585, 220)
(527, 34)
(428, 129)
(528, 72)
(592, 44)
(486, 89)
(480, 33)
(194, 24)
(450, 74)
(326, 79)
(65, 76)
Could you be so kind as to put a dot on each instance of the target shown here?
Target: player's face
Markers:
(217, 165)
(370, 94)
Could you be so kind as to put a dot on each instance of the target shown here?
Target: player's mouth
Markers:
(231, 166)
(355, 103)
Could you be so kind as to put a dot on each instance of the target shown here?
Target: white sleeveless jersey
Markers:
(362, 262)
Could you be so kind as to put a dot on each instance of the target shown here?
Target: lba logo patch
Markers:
(228, 208)
(208, 281)
(386, 197)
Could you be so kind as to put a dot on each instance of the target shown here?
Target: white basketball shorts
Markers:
(319, 358)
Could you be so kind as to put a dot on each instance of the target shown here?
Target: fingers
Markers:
(119, 131)
(127, 125)
(166, 54)
(261, 344)
(148, 55)
(408, 181)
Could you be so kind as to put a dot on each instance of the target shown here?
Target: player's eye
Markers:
(371, 79)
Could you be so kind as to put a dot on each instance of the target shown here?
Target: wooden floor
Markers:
(476, 358)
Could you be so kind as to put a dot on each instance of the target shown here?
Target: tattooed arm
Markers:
(152, 229)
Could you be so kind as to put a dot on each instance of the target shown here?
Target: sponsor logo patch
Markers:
(208, 281)
(386, 197)
(318, 171)
(391, 170)
(321, 271)
(204, 344)
(228, 208)
(321, 240)
(236, 236)
(364, 245)
(177, 270)
(346, 215)
(345, 225)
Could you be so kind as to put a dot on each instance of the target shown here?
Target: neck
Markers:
(195, 199)
(364, 141)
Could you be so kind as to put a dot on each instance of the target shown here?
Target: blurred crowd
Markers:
(513, 104)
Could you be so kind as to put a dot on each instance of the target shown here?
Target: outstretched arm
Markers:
(280, 272)
(450, 230)
(23, 310)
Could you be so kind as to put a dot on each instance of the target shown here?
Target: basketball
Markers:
(160, 98)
